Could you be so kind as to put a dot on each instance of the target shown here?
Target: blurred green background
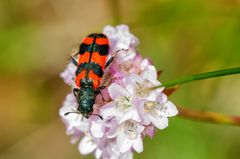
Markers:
(181, 37)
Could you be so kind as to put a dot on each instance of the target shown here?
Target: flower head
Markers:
(130, 109)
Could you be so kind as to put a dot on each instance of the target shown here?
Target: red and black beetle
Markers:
(90, 64)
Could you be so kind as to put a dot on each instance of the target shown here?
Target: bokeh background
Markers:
(181, 37)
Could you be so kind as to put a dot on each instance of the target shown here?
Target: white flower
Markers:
(87, 145)
(125, 56)
(68, 74)
(97, 129)
(111, 151)
(120, 38)
(157, 111)
(129, 136)
(139, 85)
(122, 106)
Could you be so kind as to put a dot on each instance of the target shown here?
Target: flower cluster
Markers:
(130, 109)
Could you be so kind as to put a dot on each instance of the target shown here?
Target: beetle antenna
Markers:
(118, 51)
(98, 116)
(70, 113)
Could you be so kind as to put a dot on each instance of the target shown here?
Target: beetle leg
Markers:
(75, 91)
(109, 62)
(102, 96)
(112, 58)
(98, 91)
(73, 57)
(73, 60)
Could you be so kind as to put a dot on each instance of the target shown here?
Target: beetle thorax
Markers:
(86, 97)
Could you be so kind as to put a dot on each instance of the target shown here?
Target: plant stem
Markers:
(200, 76)
(208, 116)
(212, 117)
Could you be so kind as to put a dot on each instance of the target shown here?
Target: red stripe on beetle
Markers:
(88, 40)
(101, 41)
(95, 79)
(79, 77)
(84, 58)
(98, 59)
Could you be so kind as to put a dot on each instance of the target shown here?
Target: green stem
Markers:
(200, 76)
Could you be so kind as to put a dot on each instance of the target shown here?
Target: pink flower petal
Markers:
(112, 133)
(116, 91)
(108, 110)
(149, 130)
(159, 122)
(125, 145)
(98, 154)
(150, 73)
(140, 128)
(162, 98)
(138, 144)
(171, 109)
(86, 145)
(125, 56)
(131, 89)
(122, 29)
(133, 79)
(126, 116)
(97, 129)
(147, 120)
(145, 63)
(69, 74)
(109, 30)
(136, 116)
(152, 96)
(124, 43)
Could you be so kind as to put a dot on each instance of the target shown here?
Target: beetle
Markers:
(91, 63)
